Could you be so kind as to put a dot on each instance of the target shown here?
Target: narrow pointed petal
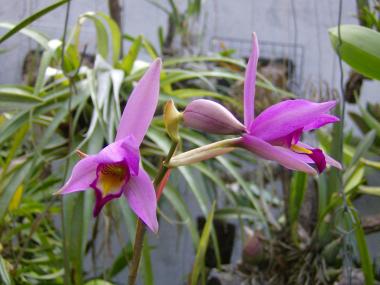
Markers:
(141, 105)
(83, 174)
(333, 162)
(141, 197)
(329, 159)
(276, 153)
(286, 117)
(323, 120)
(211, 117)
(250, 83)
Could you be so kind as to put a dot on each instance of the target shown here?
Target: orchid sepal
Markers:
(204, 152)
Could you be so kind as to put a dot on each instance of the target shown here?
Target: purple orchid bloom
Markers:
(272, 135)
(116, 170)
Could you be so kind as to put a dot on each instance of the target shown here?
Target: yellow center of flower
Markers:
(301, 149)
(111, 178)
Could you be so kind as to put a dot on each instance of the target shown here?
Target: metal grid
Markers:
(269, 51)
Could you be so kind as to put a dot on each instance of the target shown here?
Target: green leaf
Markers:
(369, 190)
(370, 120)
(359, 49)
(236, 213)
(14, 97)
(98, 282)
(365, 257)
(202, 247)
(101, 33)
(129, 59)
(47, 57)
(298, 188)
(8, 191)
(31, 19)
(115, 36)
(353, 178)
(363, 147)
(4, 274)
(75, 225)
(34, 35)
(130, 223)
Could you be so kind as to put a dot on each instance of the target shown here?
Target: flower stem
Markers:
(140, 227)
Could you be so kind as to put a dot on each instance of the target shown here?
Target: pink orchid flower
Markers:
(116, 169)
(275, 133)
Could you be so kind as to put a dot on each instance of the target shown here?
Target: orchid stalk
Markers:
(116, 171)
(273, 135)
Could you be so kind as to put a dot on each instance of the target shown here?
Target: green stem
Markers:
(140, 228)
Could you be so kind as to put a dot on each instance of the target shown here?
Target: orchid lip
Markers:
(109, 175)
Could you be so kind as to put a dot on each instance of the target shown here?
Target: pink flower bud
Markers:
(211, 117)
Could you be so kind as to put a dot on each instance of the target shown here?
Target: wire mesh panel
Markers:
(288, 54)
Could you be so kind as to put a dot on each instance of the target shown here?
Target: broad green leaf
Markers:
(202, 247)
(359, 49)
(31, 19)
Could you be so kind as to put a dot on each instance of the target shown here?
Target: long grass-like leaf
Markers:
(198, 265)
(365, 258)
(31, 19)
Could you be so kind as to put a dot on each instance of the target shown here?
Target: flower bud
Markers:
(172, 119)
(254, 248)
(211, 117)
(204, 152)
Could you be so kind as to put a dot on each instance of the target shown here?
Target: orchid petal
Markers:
(83, 174)
(323, 119)
(286, 117)
(250, 83)
(265, 150)
(140, 108)
(333, 162)
(141, 197)
(289, 139)
(124, 150)
(208, 116)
